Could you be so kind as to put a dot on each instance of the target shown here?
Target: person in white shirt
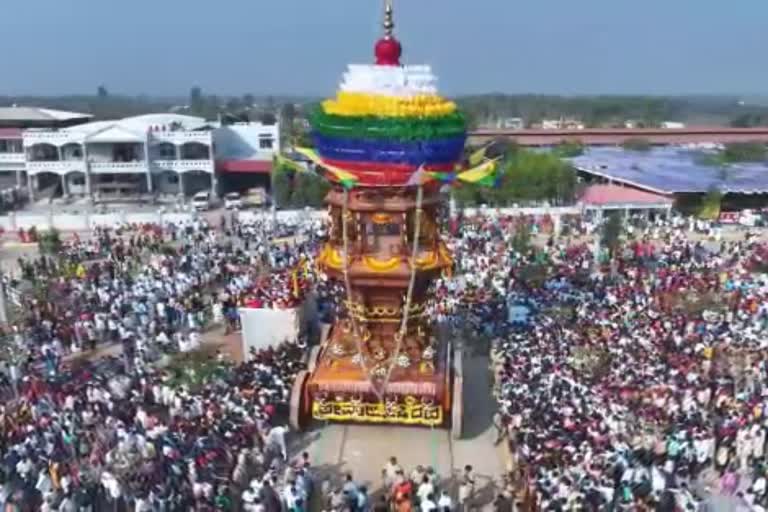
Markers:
(276, 438)
(428, 504)
(444, 502)
(425, 489)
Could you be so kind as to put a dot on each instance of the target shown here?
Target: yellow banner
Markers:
(360, 104)
(412, 412)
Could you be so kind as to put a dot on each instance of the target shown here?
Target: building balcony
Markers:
(12, 158)
(51, 137)
(183, 165)
(182, 137)
(118, 167)
(57, 166)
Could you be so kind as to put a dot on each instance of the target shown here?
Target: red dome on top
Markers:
(388, 51)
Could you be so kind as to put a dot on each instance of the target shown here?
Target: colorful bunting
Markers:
(477, 157)
(346, 179)
(281, 160)
(483, 174)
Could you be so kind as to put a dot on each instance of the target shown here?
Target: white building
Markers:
(145, 155)
(510, 123)
(13, 121)
(564, 123)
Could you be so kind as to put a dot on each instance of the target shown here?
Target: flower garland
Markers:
(389, 128)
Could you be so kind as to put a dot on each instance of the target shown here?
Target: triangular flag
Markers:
(481, 175)
(477, 157)
(442, 176)
(291, 164)
(345, 178)
(418, 178)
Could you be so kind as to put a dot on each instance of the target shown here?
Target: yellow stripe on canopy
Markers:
(350, 104)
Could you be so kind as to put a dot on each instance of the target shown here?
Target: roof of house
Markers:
(672, 170)
(141, 124)
(245, 166)
(616, 195)
(134, 129)
(27, 114)
(10, 133)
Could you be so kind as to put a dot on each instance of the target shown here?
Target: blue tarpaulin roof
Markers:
(673, 170)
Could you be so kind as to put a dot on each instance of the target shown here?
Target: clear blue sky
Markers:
(163, 47)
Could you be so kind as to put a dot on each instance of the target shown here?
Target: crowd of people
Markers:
(133, 433)
(152, 288)
(634, 384)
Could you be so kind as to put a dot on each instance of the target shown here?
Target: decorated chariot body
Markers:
(385, 141)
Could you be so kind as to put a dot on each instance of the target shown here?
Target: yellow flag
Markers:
(477, 157)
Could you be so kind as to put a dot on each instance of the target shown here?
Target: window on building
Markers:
(166, 152)
(11, 146)
(195, 151)
(44, 153)
(266, 143)
(77, 181)
(173, 179)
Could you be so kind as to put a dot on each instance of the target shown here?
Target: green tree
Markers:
(317, 189)
(526, 177)
(303, 139)
(281, 186)
(637, 144)
(748, 121)
(308, 190)
(610, 236)
(710, 205)
(466, 195)
(745, 152)
(49, 242)
(569, 149)
(288, 119)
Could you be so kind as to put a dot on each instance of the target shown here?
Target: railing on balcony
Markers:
(55, 166)
(38, 137)
(118, 166)
(16, 158)
(183, 165)
(182, 137)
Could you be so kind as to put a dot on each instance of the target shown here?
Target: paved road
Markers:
(362, 450)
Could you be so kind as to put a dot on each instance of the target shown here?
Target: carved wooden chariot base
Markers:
(363, 346)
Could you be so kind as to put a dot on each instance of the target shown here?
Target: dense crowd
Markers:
(153, 288)
(105, 439)
(635, 381)
(627, 385)
(136, 434)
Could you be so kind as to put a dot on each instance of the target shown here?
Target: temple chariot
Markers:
(381, 362)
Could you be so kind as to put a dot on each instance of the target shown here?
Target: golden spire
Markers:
(389, 23)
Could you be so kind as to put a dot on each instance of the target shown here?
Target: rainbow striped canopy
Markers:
(385, 123)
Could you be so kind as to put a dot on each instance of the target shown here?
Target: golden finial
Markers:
(389, 23)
